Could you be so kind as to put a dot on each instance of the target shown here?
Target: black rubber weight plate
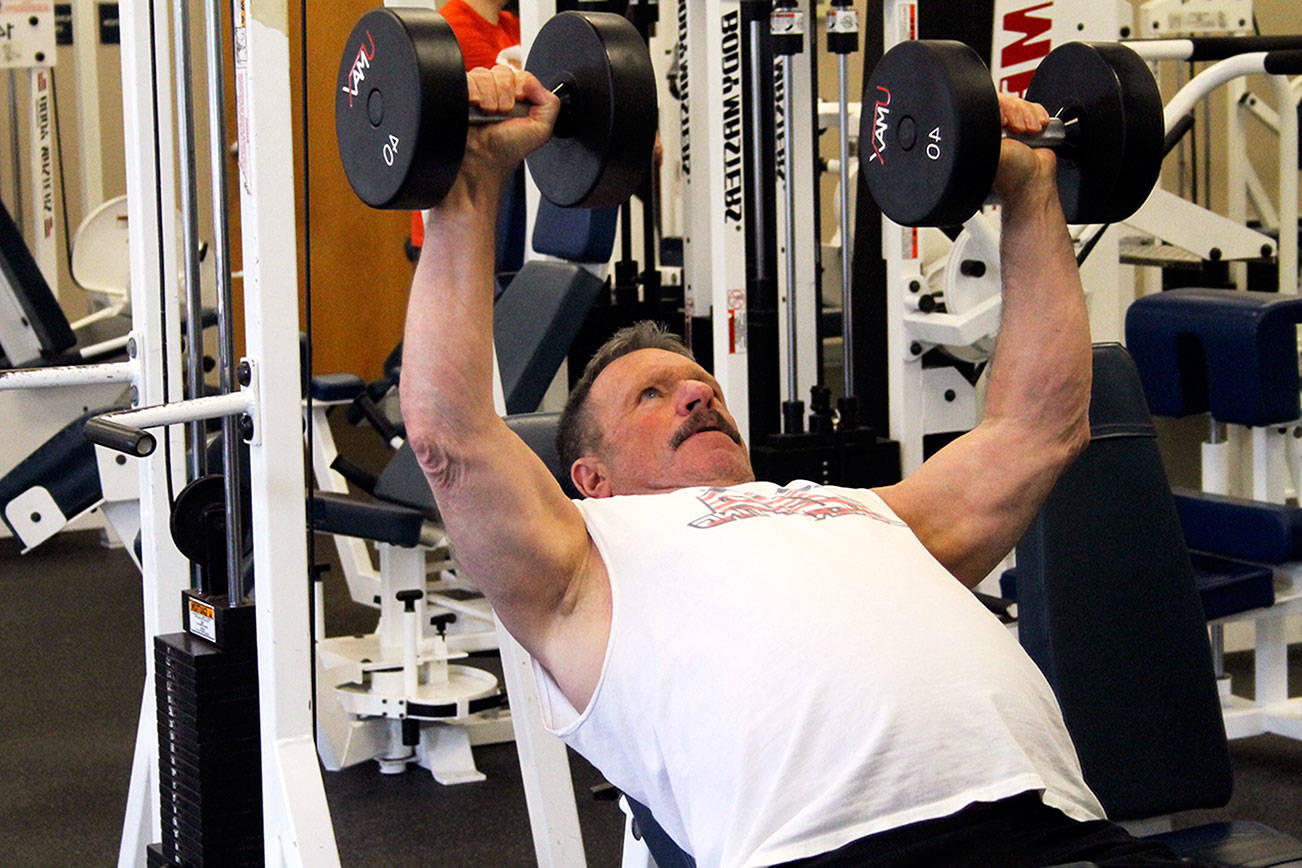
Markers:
(189, 530)
(929, 135)
(1115, 154)
(401, 108)
(612, 116)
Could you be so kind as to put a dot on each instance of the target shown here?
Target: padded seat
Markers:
(1250, 530)
(336, 388)
(575, 234)
(26, 286)
(1239, 843)
(534, 323)
(403, 482)
(1227, 587)
(383, 522)
(1230, 353)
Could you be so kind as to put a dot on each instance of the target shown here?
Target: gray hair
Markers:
(575, 434)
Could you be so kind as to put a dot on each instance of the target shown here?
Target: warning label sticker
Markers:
(736, 321)
(203, 620)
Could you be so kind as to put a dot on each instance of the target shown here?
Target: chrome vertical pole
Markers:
(231, 437)
(196, 458)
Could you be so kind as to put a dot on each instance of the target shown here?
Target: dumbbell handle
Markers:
(479, 118)
(1052, 136)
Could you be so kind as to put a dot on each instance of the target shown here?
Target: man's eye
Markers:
(650, 392)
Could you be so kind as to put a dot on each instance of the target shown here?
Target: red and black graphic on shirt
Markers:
(727, 505)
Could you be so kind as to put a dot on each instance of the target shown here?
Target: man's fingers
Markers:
(528, 87)
(1020, 116)
(483, 92)
(497, 90)
(504, 85)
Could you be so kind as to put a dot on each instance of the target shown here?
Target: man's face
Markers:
(663, 426)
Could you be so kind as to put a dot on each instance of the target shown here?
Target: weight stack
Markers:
(209, 762)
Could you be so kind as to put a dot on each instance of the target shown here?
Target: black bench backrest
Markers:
(534, 323)
(1108, 610)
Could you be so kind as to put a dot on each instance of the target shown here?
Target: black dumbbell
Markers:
(930, 133)
(402, 109)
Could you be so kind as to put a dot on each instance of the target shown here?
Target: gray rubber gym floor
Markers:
(73, 663)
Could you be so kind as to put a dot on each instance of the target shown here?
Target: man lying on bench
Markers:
(780, 674)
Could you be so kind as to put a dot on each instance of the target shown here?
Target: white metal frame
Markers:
(157, 340)
(296, 820)
(713, 141)
(350, 729)
(152, 374)
(1248, 462)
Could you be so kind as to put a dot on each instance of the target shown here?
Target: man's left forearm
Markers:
(971, 501)
(1038, 390)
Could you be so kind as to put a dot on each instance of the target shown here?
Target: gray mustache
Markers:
(700, 420)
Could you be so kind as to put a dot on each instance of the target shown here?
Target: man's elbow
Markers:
(435, 456)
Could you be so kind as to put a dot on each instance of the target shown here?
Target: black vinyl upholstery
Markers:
(24, 280)
(534, 323)
(403, 482)
(375, 520)
(538, 431)
(1109, 611)
(65, 465)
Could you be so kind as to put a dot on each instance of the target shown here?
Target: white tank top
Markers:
(789, 669)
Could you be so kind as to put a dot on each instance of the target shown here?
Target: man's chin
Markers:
(726, 467)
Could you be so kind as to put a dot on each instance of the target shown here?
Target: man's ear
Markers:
(589, 477)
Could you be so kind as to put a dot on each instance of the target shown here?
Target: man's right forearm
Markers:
(447, 366)
(515, 533)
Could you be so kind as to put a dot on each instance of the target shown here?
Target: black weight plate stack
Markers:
(209, 763)
(602, 149)
(401, 107)
(929, 134)
(1112, 159)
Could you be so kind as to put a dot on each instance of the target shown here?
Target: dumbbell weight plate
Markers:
(1112, 160)
(401, 107)
(599, 157)
(929, 135)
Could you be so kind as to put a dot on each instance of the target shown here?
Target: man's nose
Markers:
(693, 394)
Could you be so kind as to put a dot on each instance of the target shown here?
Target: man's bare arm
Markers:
(515, 533)
(972, 501)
